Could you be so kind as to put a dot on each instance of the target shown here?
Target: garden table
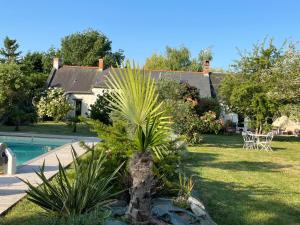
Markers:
(262, 141)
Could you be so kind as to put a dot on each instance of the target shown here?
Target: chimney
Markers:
(101, 64)
(206, 67)
(57, 63)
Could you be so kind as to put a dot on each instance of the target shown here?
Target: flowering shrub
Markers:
(209, 123)
(53, 105)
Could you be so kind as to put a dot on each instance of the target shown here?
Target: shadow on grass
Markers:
(286, 139)
(222, 141)
(231, 204)
(200, 159)
(234, 204)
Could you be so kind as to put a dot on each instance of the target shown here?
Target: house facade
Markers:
(84, 83)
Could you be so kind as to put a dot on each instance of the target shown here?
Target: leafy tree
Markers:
(53, 105)
(85, 49)
(263, 81)
(173, 59)
(136, 101)
(12, 93)
(33, 63)
(100, 109)
(48, 58)
(9, 51)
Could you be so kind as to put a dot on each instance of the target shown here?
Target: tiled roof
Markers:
(83, 79)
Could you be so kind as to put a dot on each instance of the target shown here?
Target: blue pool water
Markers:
(27, 148)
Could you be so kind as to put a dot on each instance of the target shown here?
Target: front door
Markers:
(78, 104)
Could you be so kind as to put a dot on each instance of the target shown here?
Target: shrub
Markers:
(53, 105)
(185, 188)
(66, 196)
(100, 109)
(208, 104)
(209, 123)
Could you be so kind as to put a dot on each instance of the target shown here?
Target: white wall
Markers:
(87, 100)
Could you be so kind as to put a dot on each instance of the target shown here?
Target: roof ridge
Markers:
(176, 71)
(91, 67)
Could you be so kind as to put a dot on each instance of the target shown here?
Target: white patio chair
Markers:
(265, 143)
(249, 142)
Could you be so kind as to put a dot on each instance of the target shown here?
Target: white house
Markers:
(83, 83)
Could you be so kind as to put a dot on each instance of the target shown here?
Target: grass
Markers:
(57, 128)
(238, 187)
(242, 187)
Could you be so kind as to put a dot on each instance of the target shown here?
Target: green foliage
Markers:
(53, 105)
(100, 109)
(173, 59)
(9, 52)
(265, 79)
(167, 168)
(39, 62)
(208, 104)
(205, 55)
(12, 83)
(85, 49)
(186, 185)
(136, 100)
(33, 62)
(191, 114)
(185, 188)
(89, 189)
(48, 58)
(96, 217)
(115, 142)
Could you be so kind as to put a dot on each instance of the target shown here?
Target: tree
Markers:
(136, 100)
(9, 51)
(12, 97)
(100, 110)
(173, 59)
(33, 63)
(53, 105)
(85, 49)
(48, 58)
(263, 81)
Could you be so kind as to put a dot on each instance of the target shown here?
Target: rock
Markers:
(198, 211)
(114, 222)
(118, 208)
(196, 202)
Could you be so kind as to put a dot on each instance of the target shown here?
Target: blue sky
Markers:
(143, 27)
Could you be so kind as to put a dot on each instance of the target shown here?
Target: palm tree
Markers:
(134, 97)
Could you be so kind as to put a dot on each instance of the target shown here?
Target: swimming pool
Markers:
(27, 148)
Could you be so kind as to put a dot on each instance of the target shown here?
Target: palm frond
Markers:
(133, 95)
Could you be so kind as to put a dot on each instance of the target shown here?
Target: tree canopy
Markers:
(85, 49)
(10, 51)
(177, 59)
(263, 81)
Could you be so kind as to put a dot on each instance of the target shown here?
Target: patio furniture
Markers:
(263, 142)
(249, 140)
(257, 141)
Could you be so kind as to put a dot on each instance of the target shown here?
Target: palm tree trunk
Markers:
(139, 210)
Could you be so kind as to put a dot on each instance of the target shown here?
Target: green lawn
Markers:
(51, 128)
(238, 187)
(242, 187)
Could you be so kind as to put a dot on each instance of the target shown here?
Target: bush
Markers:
(191, 114)
(53, 105)
(208, 104)
(87, 190)
(100, 109)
